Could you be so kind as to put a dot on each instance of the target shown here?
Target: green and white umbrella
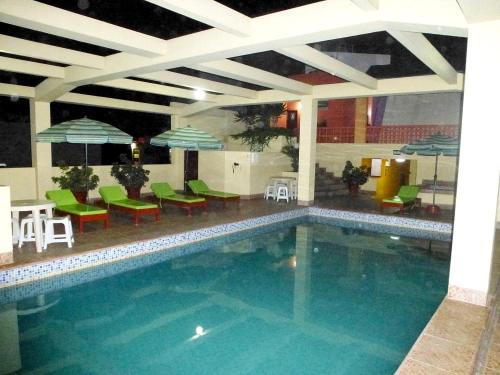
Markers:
(188, 138)
(83, 131)
(432, 145)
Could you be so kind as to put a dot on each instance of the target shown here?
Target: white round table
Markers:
(35, 206)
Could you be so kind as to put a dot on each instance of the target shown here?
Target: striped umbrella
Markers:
(83, 131)
(432, 145)
(188, 138)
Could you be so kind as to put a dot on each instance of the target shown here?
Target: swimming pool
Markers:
(302, 297)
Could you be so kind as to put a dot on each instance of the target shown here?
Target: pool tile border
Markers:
(37, 271)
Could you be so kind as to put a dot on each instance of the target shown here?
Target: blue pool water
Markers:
(307, 298)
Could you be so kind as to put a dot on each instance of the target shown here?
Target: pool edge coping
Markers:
(27, 273)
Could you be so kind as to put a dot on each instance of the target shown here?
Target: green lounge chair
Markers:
(199, 187)
(166, 194)
(115, 198)
(66, 203)
(406, 198)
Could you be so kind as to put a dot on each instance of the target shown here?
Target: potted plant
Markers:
(79, 179)
(354, 177)
(132, 176)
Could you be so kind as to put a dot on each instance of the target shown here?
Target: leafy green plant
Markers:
(76, 178)
(259, 138)
(292, 151)
(260, 116)
(130, 175)
(354, 176)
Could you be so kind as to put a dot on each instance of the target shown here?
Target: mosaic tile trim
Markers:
(185, 243)
(37, 271)
(383, 223)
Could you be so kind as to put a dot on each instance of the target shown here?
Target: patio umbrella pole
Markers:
(435, 182)
(86, 180)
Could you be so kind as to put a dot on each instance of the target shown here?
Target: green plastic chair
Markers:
(199, 187)
(115, 198)
(66, 203)
(406, 198)
(164, 192)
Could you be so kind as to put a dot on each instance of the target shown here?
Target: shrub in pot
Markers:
(79, 179)
(132, 176)
(354, 177)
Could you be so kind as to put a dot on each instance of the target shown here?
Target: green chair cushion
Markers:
(82, 209)
(162, 189)
(112, 193)
(61, 197)
(408, 191)
(198, 186)
(183, 198)
(219, 194)
(133, 204)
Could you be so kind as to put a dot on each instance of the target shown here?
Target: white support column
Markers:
(177, 156)
(6, 255)
(307, 155)
(479, 168)
(41, 156)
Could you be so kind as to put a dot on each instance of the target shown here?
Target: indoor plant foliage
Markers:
(130, 175)
(292, 151)
(79, 179)
(354, 177)
(258, 120)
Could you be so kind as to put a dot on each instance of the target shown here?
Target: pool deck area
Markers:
(452, 342)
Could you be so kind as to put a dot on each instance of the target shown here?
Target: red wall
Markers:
(338, 114)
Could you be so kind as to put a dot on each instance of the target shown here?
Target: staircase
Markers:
(327, 185)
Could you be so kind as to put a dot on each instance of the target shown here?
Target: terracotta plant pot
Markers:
(353, 189)
(133, 192)
(81, 196)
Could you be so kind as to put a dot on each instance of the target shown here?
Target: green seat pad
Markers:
(398, 199)
(408, 191)
(183, 198)
(61, 197)
(134, 204)
(81, 209)
(162, 189)
(219, 194)
(198, 186)
(112, 193)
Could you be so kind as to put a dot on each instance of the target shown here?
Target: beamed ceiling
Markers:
(238, 52)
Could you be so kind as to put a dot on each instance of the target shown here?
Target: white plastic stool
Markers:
(269, 192)
(50, 235)
(26, 232)
(15, 230)
(282, 194)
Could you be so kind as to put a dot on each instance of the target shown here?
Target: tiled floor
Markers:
(448, 344)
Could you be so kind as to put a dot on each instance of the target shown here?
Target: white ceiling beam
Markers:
(127, 105)
(17, 91)
(211, 13)
(29, 67)
(443, 17)
(313, 57)
(245, 73)
(153, 88)
(195, 108)
(348, 90)
(367, 5)
(49, 19)
(27, 48)
(418, 44)
(307, 24)
(198, 83)
(52, 88)
(480, 10)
